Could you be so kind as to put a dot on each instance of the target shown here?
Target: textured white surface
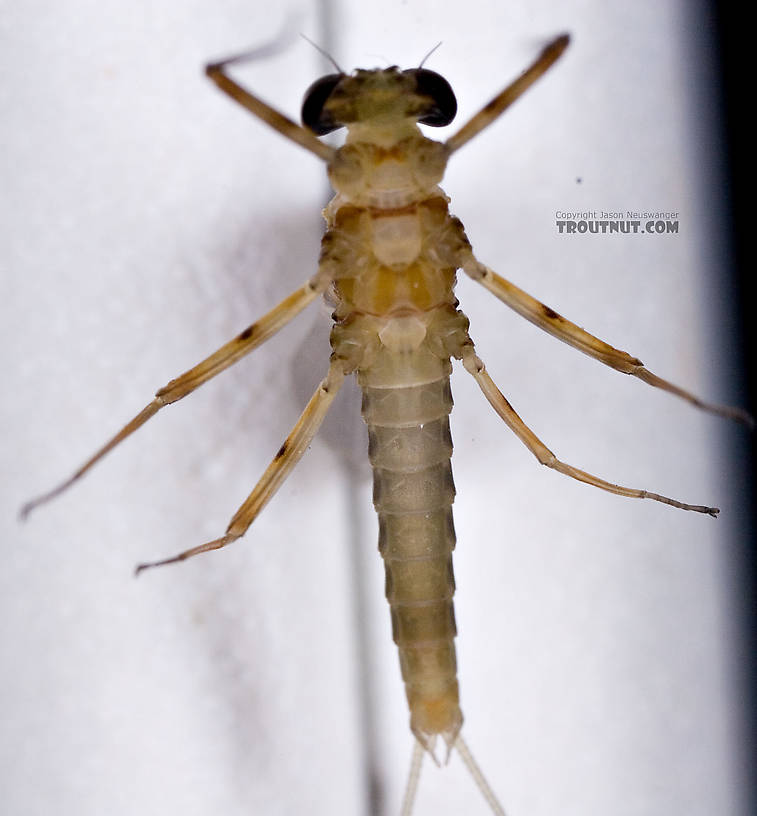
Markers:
(146, 219)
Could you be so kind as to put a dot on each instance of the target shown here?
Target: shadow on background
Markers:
(736, 69)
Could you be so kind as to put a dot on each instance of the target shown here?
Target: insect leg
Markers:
(545, 456)
(505, 98)
(279, 122)
(252, 337)
(287, 457)
(555, 324)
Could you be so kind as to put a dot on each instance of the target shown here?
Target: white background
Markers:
(146, 219)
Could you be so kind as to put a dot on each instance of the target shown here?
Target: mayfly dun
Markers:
(389, 259)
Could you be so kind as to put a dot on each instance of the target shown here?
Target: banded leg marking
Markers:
(252, 337)
(545, 456)
(280, 123)
(275, 474)
(497, 106)
(555, 324)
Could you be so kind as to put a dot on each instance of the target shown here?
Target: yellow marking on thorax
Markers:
(390, 260)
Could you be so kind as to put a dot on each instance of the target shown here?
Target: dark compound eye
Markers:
(434, 85)
(313, 116)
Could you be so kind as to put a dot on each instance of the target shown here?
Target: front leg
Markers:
(285, 126)
(497, 106)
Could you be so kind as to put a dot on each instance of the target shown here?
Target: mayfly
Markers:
(388, 263)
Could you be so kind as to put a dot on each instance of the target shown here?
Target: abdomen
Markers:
(406, 409)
